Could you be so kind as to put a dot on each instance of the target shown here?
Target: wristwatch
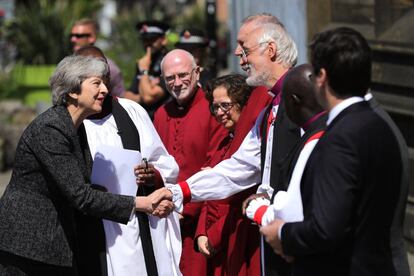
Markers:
(143, 72)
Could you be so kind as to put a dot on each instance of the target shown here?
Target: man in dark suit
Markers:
(348, 187)
(399, 252)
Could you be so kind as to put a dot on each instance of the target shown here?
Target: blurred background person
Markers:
(147, 87)
(194, 41)
(85, 32)
(50, 180)
(223, 235)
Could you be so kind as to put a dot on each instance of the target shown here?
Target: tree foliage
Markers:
(40, 28)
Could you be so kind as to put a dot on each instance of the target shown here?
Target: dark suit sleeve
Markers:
(333, 196)
(56, 154)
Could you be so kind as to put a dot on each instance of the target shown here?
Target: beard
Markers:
(257, 79)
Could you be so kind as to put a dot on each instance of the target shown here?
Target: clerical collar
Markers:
(277, 89)
(306, 125)
(194, 99)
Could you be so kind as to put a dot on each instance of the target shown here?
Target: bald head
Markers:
(299, 94)
(177, 56)
(181, 75)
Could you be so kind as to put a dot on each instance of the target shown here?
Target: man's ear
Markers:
(321, 78)
(92, 39)
(198, 71)
(271, 50)
(296, 98)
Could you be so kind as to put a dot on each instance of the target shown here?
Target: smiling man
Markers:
(266, 53)
(192, 135)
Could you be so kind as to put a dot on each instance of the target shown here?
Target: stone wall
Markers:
(14, 117)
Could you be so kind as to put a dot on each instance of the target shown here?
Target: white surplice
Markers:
(124, 249)
(287, 205)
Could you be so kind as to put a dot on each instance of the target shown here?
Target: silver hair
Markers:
(190, 56)
(71, 72)
(273, 30)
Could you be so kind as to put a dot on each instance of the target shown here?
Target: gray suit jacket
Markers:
(49, 182)
(398, 250)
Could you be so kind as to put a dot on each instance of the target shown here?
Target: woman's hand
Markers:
(204, 246)
(144, 204)
(149, 204)
(164, 208)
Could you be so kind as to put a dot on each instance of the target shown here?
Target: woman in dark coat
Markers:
(50, 178)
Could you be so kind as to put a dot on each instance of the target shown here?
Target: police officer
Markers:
(195, 41)
(148, 88)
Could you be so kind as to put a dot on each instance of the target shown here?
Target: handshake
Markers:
(158, 203)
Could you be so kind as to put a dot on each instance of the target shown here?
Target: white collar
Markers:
(341, 106)
(368, 96)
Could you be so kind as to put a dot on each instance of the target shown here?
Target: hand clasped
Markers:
(161, 201)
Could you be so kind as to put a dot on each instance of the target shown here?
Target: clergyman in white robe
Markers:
(124, 252)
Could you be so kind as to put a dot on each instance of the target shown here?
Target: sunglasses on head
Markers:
(79, 35)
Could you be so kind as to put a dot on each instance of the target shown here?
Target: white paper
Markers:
(113, 168)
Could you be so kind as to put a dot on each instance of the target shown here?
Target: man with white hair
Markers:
(266, 53)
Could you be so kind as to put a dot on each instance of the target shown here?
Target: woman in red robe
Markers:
(224, 236)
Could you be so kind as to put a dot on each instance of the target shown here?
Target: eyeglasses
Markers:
(182, 76)
(224, 106)
(80, 35)
(246, 51)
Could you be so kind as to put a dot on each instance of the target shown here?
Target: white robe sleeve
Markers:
(241, 171)
(152, 147)
(288, 206)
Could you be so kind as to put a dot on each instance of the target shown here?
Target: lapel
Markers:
(263, 135)
(286, 135)
(86, 153)
(67, 127)
(290, 162)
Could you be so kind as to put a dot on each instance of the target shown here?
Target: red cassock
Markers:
(193, 136)
(234, 238)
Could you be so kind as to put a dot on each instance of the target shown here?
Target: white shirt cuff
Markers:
(177, 197)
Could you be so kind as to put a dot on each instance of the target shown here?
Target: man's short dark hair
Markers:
(346, 56)
(88, 21)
